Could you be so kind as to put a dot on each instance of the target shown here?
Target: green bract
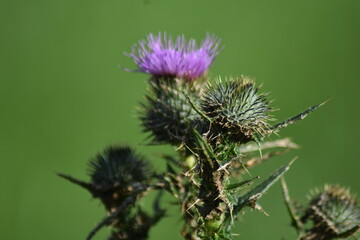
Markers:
(167, 114)
(334, 213)
(218, 130)
(237, 108)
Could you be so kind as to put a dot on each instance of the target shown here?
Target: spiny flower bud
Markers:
(117, 173)
(168, 115)
(118, 166)
(237, 109)
(119, 177)
(334, 212)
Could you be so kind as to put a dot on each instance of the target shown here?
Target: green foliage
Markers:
(209, 126)
(250, 198)
(218, 131)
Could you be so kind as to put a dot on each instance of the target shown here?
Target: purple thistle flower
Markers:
(163, 57)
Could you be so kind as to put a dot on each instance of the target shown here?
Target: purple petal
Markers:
(161, 56)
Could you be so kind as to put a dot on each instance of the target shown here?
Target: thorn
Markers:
(224, 166)
(293, 160)
(244, 166)
(197, 200)
(130, 70)
(256, 206)
(259, 208)
(260, 152)
(88, 186)
(187, 174)
(296, 222)
(180, 147)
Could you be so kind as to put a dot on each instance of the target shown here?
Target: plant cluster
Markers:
(218, 128)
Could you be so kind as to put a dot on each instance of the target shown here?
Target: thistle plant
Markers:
(219, 129)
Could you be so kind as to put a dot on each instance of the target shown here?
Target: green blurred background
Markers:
(63, 98)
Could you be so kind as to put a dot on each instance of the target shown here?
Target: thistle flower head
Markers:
(237, 109)
(334, 212)
(118, 166)
(163, 57)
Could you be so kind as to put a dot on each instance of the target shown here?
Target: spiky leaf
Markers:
(292, 120)
(253, 195)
